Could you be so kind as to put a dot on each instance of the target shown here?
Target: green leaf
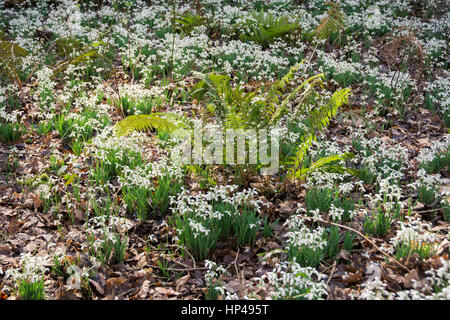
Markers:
(70, 179)
(143, 122)
(9, 52)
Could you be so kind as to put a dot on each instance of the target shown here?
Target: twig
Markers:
(235, 265)
(193, 260)
(332, 272)
(182, 269)
(423, 211)
(241, 276)
(179, 269)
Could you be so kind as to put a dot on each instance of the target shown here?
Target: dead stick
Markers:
(332, 272)
(423, 211)
(179, 269)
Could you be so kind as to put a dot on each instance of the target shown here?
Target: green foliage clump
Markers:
(264, 28)
(406, 248)
(317, 198)
(378, 224)
(208, 218)
(261, 108)
(10, 132)
(143, 122)
(187, 22)
(333, 238)
(111, 164)
(10, 60)
(141, 200)
(439, 162)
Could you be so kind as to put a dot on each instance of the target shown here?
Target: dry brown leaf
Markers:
(182, 281)
(352, 277)
(37, 202)
(79, 215)
(143, 292)
(143, 261)
(288, 207)
(115, 282)
(8, 212)
(410, 278)
(97, 287)
(343, 254)
(423, 142)
(166, 291)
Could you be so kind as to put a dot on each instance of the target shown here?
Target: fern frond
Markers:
(309, 85)
(332, 23)
(263, 28)
(8, 54)
(189, 21)
(72, 52)
(67, 45)
(324, 162)
(320, 117)
(180, 120)
(143, 122)
(213, 83)
(299, 157)
(234, 121)
(75, 60)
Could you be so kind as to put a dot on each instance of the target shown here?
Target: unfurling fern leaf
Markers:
(143, 122)
(332, 23)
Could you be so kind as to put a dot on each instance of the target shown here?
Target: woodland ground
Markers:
(92, 207)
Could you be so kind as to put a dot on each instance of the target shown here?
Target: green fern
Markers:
(319, 118)
(228, 101)
(69, 48)
(76, 60)
(186, 23)
(297, 160)
(264, 28)
(9, 52)
(327, 163)
(273, 107)
(306, 89)
(211, 84)
(332, 23)
(144, 122)
(260, 108)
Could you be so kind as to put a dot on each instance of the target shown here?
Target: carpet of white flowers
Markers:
(360, 205)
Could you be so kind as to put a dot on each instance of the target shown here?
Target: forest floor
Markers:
(90, 211)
